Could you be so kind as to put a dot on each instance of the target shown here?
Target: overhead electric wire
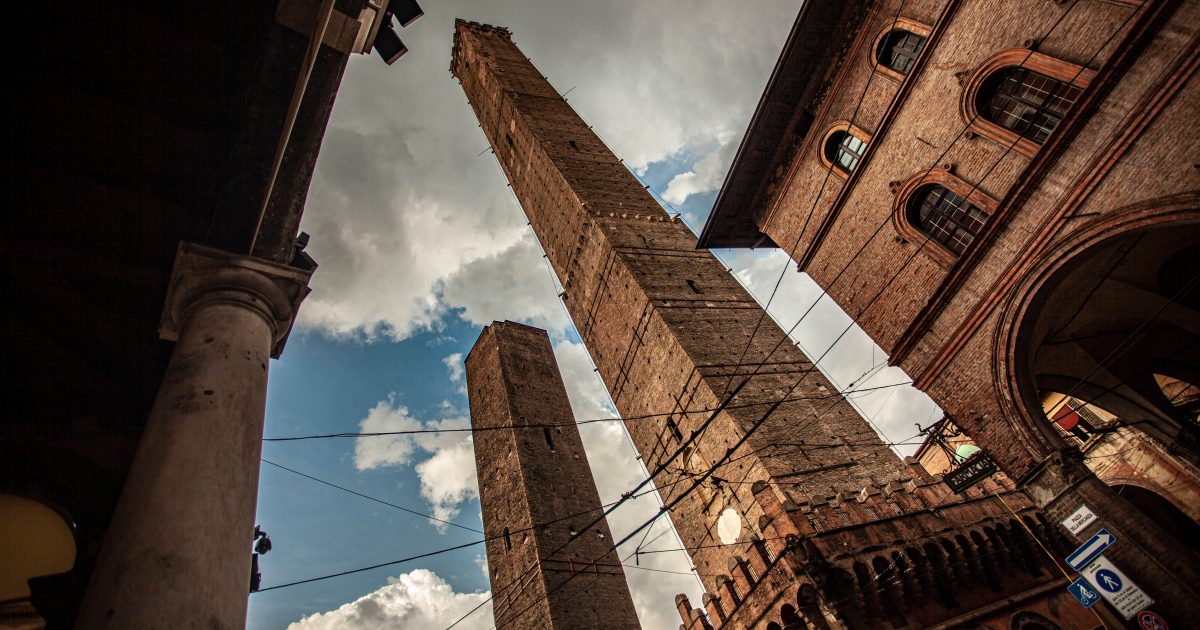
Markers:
(374, 566)
(694, 434)
(870, 303)
(625, 496)
(371, 498)
(543, 425)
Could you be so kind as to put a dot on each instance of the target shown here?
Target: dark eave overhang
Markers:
(820, 36)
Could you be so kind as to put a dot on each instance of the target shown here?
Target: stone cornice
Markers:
(203, 276)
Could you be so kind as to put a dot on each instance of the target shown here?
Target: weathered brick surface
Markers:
(536, 491)
(665, 324)
(859, 260)
(904, 555)
(1103, 165)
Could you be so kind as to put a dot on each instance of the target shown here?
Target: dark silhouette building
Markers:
(159, 158)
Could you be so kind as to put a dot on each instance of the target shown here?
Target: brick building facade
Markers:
(536, 492)
(832, 528)
(1004, 204)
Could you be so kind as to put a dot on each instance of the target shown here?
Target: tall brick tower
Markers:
(665, 324)
(536, 489)
(817, 523)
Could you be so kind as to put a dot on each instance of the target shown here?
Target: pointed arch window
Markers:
(942, 212)
(843, 148)
(1019, 98)
(898, 46)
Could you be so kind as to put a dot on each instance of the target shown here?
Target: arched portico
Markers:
(1114, 305)
(1114, 302)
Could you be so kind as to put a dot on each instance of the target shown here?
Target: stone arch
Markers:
(1161, 509)
(986, 556)
(1026, 547)
(1015, 384)
(809, 601)
(940, 569)
(890, 591)
(1029, 620)
(791, 619)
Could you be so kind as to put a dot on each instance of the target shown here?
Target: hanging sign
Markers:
(976, 468)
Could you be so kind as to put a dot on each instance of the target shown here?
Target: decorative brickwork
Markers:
(1065, 288)
(530, 477)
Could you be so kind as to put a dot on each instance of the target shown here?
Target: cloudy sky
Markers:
(421, 244)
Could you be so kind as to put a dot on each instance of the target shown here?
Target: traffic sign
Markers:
(1088, 551)
(1150, 620)
(1116, 587)
(1084, 592)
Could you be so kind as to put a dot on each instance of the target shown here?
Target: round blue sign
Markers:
(1108, 580)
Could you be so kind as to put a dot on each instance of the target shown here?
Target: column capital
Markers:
(204, 275)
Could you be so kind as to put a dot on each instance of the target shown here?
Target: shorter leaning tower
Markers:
(536, 492)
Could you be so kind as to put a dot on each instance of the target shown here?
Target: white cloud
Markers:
(616, 470)
(447, 476)
(389, 450)
(512, 284)
(454, 363)
(407, 222)
(417, 599)
(481, 562)
(705, 175)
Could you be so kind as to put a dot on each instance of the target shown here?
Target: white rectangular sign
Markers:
(1116, 587)
(1079, 519)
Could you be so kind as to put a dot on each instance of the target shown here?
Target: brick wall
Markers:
(665, 324)
(536, 492)
(883, 278)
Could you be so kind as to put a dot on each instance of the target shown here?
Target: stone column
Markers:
(177, 553)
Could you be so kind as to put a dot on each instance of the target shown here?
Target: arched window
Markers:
(843, 148)
(1026, 102)
(937, 206)
(898, 50)
(1019, 97)
(948, 218)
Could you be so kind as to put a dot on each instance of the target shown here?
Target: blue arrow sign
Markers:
(1089, 550)
(1084, 593)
